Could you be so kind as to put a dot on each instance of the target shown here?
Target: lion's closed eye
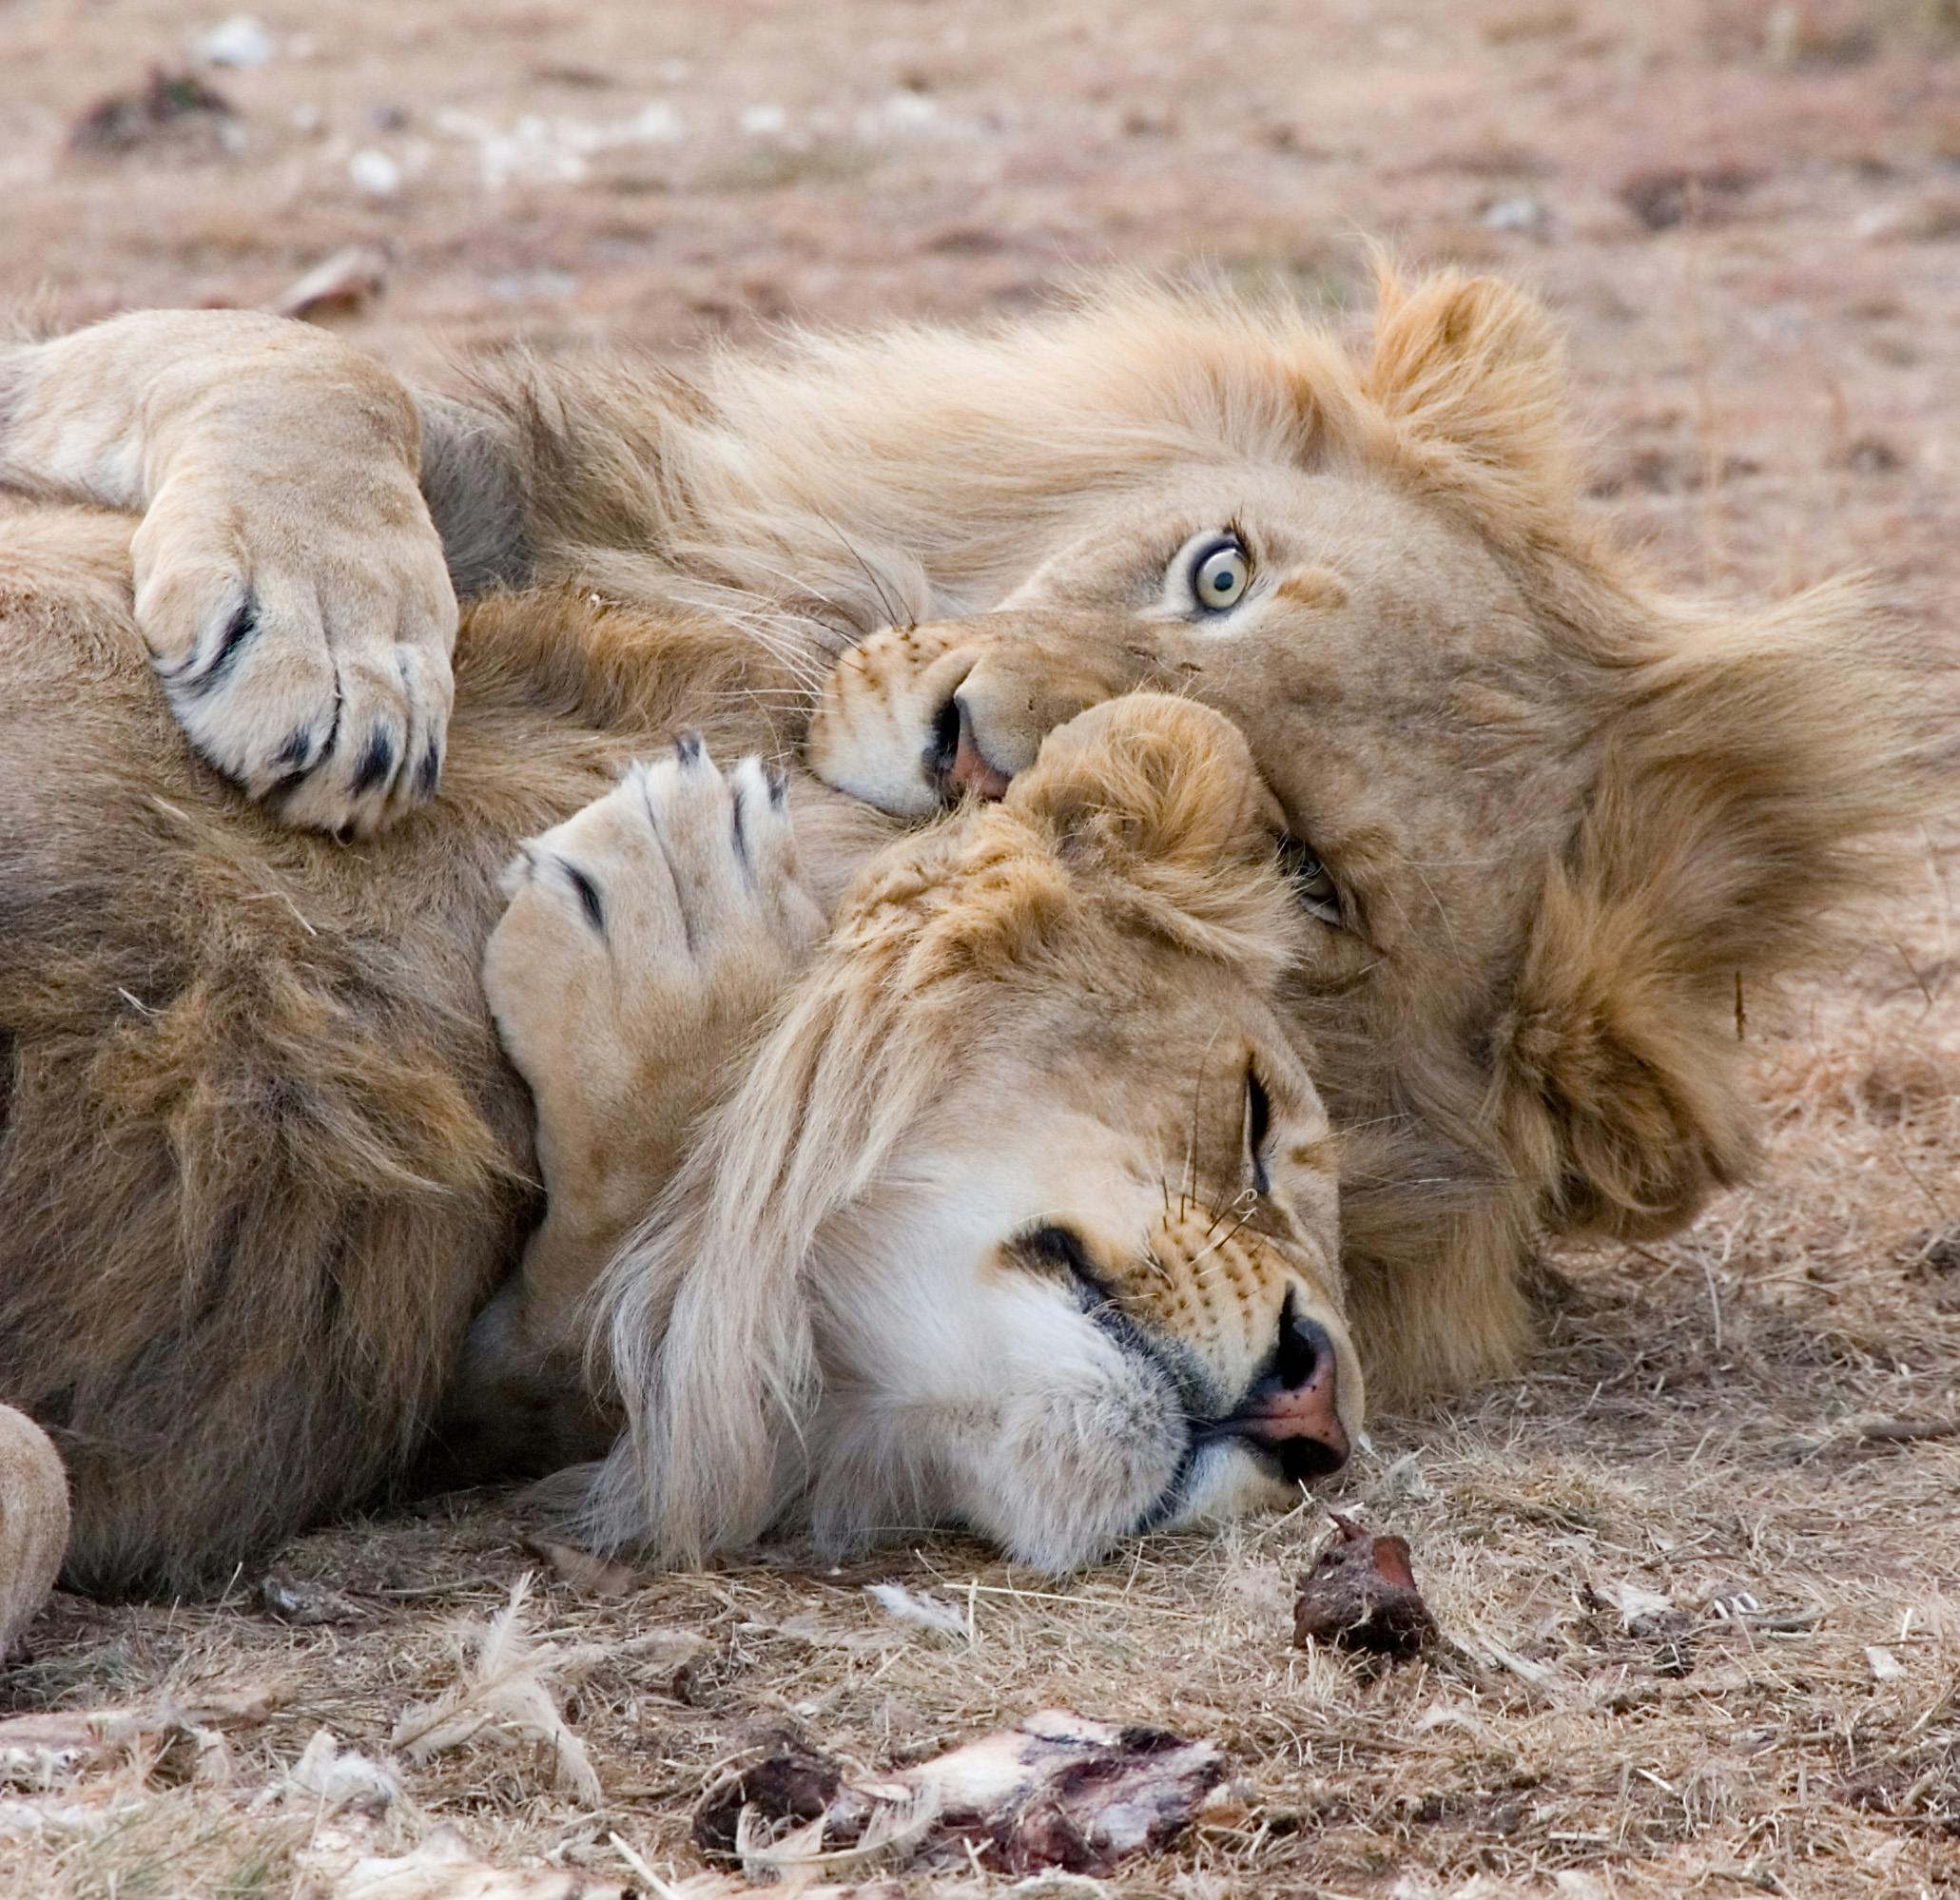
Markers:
(1313, 883)
(1258, 1131)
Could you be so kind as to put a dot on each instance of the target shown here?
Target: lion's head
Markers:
(1024, 1215)
(1543, 824)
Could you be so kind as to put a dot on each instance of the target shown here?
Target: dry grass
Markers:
(1761, 1410)
(1762, 1413)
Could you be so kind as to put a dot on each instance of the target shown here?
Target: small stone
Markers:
(374, 173)
(241, 41)
(1521, 213)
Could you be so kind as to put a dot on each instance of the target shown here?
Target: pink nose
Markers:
(970, 770)
(1294, 1412)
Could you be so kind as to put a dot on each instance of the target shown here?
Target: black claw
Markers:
(688, 745)
(238, 632)
(588, 896)
(298, 748)
(430, 774)
(297, 753)
(375, 762)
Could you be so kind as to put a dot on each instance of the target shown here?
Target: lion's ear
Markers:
(1751, 776)
(1470, 372)
(1147, 779)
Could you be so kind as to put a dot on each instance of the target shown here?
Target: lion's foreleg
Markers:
(645, 943)
(297, 612)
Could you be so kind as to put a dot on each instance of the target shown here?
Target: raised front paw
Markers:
(303, 633)
(647, 929)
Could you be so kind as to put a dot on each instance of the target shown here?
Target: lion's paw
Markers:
(309, 662)
(661, 914)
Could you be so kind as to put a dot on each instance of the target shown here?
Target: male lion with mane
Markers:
(1120, 1307)
(263, 1160)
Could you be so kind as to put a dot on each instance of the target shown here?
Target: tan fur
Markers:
(1049, 1005)
(33, 1522)
(260, 1159)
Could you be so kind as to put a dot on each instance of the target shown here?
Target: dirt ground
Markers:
(1698, 1568)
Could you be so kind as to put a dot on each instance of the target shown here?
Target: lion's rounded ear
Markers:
(1149, 779)
(1470, 371)
(1627, 1070)
(1757, 771)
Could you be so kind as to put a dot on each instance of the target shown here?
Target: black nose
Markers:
(1293, 1412)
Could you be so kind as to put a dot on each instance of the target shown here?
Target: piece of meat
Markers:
(1362, 1593)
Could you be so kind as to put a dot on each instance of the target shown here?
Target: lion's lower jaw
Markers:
(1056, 1479)
(1223, 1481)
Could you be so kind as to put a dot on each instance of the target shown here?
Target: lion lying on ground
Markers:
(262, 1160)
(1118, 1307)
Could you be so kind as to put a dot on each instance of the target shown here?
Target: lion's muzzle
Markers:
(1292, 1413)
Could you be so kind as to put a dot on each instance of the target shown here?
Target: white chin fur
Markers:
(960, 1393)
(1078, 1462)
(1226, 1480)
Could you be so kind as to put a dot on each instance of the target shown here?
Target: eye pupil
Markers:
(1219, 574)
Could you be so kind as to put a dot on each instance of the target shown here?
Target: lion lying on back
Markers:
(262, 1160)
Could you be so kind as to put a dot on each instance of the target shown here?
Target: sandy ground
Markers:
(1699, 1566)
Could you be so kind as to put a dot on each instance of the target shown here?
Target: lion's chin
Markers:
(1056, 1514)
(1225, 1480)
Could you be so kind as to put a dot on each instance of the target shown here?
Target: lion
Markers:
(263, 1159)
(834, 1307)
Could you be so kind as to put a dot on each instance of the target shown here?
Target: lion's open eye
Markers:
(1313, 883)
(1220, 572)
(1258, 1127)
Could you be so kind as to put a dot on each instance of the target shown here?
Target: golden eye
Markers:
(1220, 572)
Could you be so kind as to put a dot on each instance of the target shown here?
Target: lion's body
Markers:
(259, 1156)
(260, 1159)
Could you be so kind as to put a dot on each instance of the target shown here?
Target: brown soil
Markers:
(1748, 216)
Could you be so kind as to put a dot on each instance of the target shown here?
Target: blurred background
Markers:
(1747, 212)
